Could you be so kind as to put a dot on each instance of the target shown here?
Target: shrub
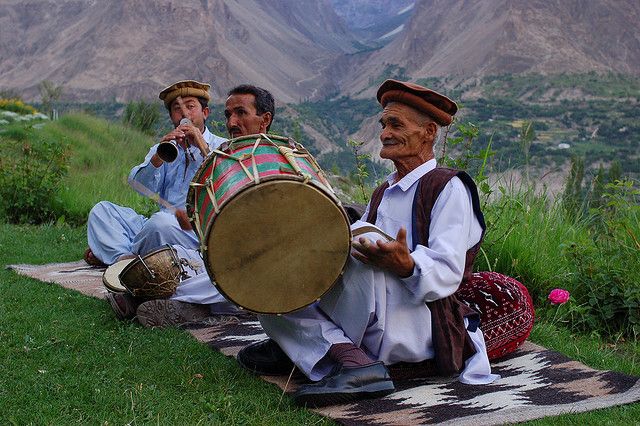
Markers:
(29, 180)
(142, 115)
(603, 283)
(17, 106)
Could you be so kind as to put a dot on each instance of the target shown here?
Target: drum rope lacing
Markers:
(290, 153)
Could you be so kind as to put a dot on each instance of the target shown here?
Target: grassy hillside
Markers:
(101, 155)
(98, 156)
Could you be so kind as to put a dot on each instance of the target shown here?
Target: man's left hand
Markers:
(393, 256)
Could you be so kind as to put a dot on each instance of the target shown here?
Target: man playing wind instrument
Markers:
(248, 110)
(115, 232)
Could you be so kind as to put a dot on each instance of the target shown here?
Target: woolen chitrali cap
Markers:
(430, 102)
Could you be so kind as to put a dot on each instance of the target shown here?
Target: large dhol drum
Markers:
(273, 236)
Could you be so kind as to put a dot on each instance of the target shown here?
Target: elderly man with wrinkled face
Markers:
(394, 303)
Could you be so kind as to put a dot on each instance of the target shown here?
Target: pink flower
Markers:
(558, 296)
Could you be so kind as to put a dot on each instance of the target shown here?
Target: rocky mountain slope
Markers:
(303, 49)
(131, 48)
(476, 38)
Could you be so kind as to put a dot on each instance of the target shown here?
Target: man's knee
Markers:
(100, 209)
(161, 222)
(161, 229)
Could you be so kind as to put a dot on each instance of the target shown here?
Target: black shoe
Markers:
(346, 384)
(265, 359)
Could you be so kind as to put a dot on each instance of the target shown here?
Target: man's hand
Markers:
(183, 220)
(393, 256)
(194, 136)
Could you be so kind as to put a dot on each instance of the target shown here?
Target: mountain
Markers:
(127, 49)
(374, 22)
(303, 49)
(468, 38)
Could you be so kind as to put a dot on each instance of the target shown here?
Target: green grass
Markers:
(67, 360)
(525, 239)
(100, 155)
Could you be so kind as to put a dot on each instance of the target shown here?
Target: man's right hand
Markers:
(183, 220)
(393, 255)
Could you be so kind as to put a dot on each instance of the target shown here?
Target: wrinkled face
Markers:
(242, 118)
(188, 107)
(405, 133)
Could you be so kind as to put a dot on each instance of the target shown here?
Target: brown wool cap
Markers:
(435, 105)
(184, 88)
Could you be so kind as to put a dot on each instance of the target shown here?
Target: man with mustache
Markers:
(394, 303)
(248, 110)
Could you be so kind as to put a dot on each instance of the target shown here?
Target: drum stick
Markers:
(152, 195)
(181, 215)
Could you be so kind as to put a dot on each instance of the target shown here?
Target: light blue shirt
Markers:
(171, 180)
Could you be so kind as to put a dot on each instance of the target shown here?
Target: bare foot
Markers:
(91, 259)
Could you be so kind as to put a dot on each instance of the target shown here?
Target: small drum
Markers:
(110, 277)
(273, 236)
(153, 276)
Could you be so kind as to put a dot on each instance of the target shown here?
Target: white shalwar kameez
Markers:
(383, 314)
(113, 230)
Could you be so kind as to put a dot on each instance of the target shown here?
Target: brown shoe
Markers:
(124, 305)
(166, 312)
(92, 260)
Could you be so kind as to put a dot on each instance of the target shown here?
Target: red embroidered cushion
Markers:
(505, 308)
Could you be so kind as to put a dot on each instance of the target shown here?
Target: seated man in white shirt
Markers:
(395, 302)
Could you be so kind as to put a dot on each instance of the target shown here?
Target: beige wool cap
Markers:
(430, 102)
(184, 88)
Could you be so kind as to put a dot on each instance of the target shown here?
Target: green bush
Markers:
(29, 180)
(605, 285)
(16, 105)
(142, 115)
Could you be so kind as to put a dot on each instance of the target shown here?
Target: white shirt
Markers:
(453, 230)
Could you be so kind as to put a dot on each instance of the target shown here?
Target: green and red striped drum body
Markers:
(273, 236)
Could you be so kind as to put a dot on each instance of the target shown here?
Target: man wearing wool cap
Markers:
(115, 232)
(393, 305)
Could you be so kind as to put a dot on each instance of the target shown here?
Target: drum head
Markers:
(278, 246)
(110, 277)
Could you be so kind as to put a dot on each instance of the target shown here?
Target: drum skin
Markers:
(110, 277)
(274, 246)
(153, 276)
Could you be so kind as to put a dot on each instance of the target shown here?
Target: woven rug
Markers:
(535, 382)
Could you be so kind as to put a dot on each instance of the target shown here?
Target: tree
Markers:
(50, 94)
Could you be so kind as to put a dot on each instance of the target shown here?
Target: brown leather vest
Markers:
(451, 341)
